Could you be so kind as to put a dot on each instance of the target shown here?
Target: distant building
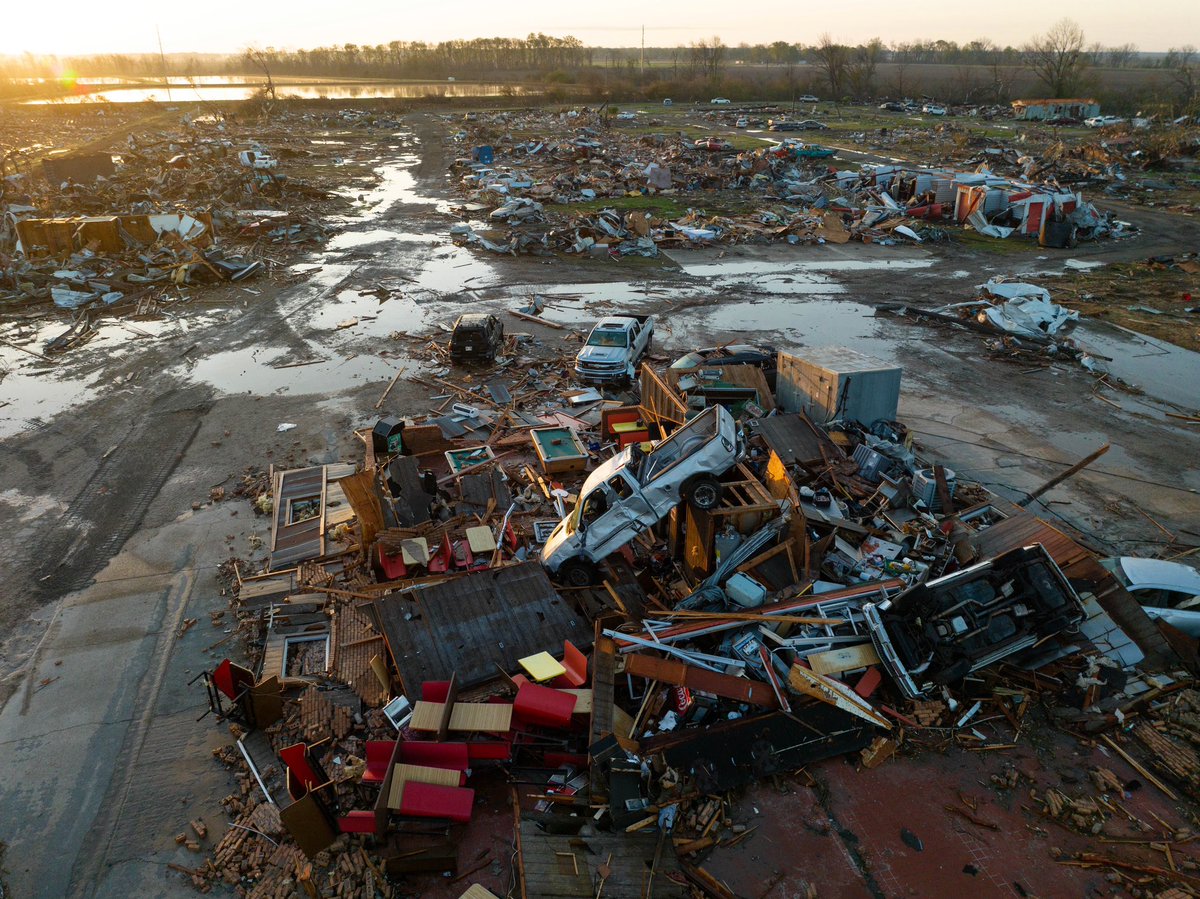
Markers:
(1052, 110)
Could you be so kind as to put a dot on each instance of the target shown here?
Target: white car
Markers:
(626, 115)
(932, 109)
(808, 98)
(1166, 590)
(742, 123)
(635, 489)
(719, 101)
(1103, 121)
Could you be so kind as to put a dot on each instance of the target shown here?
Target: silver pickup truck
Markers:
(635, 489)
(613, 348)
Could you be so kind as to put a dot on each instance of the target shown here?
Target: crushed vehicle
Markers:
(713, 144)
(937, 633)
(637, 488)
(765, 358)
(477, 337)
(1169, 591)
(613, 348)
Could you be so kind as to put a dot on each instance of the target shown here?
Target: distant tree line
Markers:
(1058, 63)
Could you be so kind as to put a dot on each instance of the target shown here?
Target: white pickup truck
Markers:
(634, 490)
(613, 348)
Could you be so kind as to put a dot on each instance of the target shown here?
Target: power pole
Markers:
(642, 71)
(163, 59)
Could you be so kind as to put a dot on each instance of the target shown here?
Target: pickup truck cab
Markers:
(636, 489)
(938, 632)
(613, 348)
(477, 337)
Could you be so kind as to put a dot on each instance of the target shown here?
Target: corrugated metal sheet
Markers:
(469, 625)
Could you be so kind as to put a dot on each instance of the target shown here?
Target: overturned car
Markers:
(939, 632)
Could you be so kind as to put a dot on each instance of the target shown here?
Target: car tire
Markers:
(704, 492)
(577, 573)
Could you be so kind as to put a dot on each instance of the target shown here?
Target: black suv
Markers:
(477, 337)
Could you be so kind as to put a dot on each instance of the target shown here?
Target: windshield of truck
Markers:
(608, 338)
(687, 440)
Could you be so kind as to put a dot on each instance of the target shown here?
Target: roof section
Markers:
(473, 623)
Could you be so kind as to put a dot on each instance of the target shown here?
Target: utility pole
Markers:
(163, 59)
(642, 71)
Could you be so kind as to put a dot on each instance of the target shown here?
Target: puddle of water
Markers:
(452, 269)
(740, 268)
(789, 325)
(396, 184)
(35, 394)
(252, 371)
(1082, 265)
(350, 239)
(1162, 370)
(374, 316)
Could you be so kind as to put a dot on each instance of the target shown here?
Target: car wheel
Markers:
(704, 492)
(577, 573)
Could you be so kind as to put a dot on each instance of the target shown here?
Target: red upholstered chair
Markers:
(440, 561)
(435, 690)
(379, 754)
(295, 757)
(392, 564)
(452, 756)
(421, 800)
(358, 821)
(544, 706)
(577, 667)
(231, 679)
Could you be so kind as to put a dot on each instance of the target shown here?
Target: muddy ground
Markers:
(107, 453)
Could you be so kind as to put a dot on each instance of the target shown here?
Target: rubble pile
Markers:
(129, 229)
(592, 618)
(522, 172)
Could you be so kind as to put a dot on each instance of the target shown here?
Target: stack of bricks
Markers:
(1177, 758)
(354, 643)
(928, 713)
(320, 718)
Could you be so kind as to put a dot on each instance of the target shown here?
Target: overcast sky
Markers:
(217, 26)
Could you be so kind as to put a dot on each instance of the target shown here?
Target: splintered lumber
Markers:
(1139, 768)
(748, 616)
(680, 674)
(533, 318)
(1058, 479)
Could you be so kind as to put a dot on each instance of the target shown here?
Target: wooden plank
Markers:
(847, 658)
(670, 671)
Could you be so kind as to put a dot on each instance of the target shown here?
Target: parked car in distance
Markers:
(719, 101)
(933, 109)
(477, 337)
(713, 144)
(938, 632)
(808, 98)
(613, 348)
(1166, 590)
(1103, 121)
(762, 357)
(636, 489)
(742, 123)
(892, 106)
(802, 125)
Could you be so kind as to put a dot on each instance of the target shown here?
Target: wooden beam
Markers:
(670, 671)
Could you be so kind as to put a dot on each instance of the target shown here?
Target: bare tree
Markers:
(1184, 66)
(1121, 56)
(864, 60)
(1058, 58)
(833, 60)
(259, 59)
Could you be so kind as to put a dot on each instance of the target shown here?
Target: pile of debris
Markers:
(525, 170)
(128, 230)
(600, 613)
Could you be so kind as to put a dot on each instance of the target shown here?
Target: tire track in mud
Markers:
(114, 500)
